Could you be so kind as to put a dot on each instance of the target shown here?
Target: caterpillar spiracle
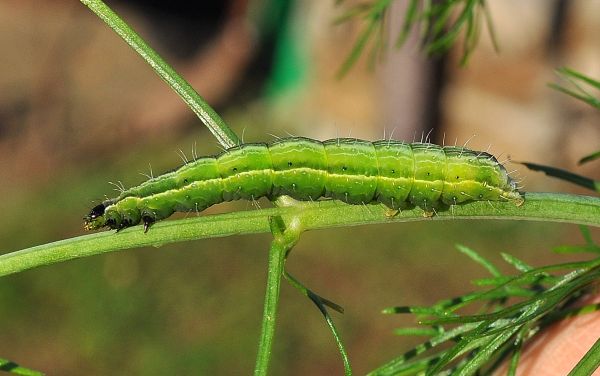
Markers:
(397, 174)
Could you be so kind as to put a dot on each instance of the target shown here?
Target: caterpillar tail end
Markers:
(514, 197)
(513, 193)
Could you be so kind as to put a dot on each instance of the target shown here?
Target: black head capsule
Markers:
(96, 218)
(97, 211)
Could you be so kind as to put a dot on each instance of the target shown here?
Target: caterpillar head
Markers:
(100, 217)
(95, 219)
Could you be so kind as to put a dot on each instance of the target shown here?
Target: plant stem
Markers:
(589, 363)
(544, 207)
(284, 238)
(12, 367)
(226, 137)
(321, 302)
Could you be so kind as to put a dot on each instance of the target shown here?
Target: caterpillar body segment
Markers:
(399, 175)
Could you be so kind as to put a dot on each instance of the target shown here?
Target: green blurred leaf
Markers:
(580, 92)
(352, 13)
(443, 40)
(589, 363)
(410, 19)
(587, 236)
(589, 158)
(590, 245)
(577, 249)
(321, 304)
(577, 80)
(492, 281)
(374, 15)
(517, 350)
(443, 22)
(479, 259)
(582, 181)
(573, 74)
(518, 264)
(12, 367)
(484, 341)
(416, 332)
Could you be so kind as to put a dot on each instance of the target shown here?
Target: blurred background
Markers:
(78, 109)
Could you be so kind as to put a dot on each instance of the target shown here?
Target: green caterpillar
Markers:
(397, 174)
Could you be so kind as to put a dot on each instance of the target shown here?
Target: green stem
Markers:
(544, 207)
(226, 137)
(284, 238)
(589, 363)
(12, 367)
(321, 302)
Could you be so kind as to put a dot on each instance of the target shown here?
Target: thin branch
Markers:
(226, 137)
(285, 236)
(545, 207)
